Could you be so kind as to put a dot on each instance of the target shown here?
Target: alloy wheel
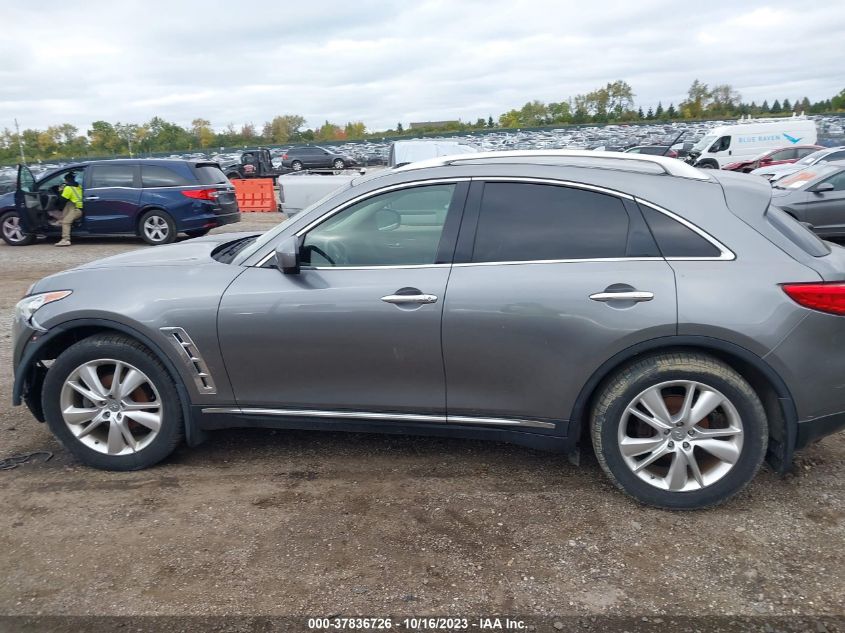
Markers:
(12, 228)
(111, 407)
(680, 435)
(155, 228)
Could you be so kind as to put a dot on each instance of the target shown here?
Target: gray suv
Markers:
(670, 317)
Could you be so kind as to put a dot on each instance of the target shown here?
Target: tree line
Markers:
(611, 103)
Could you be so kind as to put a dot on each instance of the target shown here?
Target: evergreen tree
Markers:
(787, 106)
(776, 107)
(399, 128)
(650, 114)
(764, 109)
(671, 113)
(659, 112)
(805, 105)
(640, 113)
(490, 121)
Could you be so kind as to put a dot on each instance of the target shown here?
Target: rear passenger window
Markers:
(155, 176)
(674, 239)
(210, 174)
(112, 176)
(528, 222)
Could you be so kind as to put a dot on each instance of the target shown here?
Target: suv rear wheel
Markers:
(13, 233)
(156, 227)
(112, 404)
(679, 431)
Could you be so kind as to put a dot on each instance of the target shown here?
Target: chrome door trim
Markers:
(633, 295)
(725, 254)
(561, 261)
(364, 196)
(393, 417)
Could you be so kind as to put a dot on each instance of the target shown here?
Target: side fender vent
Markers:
(190, 355)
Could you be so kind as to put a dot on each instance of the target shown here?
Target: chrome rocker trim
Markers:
(395, 417)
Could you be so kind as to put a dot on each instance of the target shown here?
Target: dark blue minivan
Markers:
(154, 199)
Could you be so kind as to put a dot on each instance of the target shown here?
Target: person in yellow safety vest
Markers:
(72, 192)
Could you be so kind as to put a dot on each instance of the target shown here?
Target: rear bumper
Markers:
(811, 430)
(208, 220)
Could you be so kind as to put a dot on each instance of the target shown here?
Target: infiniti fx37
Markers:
(671, 319)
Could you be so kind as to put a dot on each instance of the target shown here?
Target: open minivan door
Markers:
(17, 226)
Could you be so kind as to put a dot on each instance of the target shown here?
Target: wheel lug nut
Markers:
(671, 444)
(692, 431)
(679, 424)
(686, 444)
(666, 431)
(106, 414)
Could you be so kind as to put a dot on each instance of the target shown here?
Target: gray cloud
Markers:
(383, 62)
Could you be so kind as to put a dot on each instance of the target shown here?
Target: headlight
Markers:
(28, 306)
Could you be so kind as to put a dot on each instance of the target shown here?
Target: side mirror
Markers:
(287, 255)
(822, 187)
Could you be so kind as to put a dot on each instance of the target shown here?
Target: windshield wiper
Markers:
(226, 253)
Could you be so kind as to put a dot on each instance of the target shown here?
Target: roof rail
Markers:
(671, 166)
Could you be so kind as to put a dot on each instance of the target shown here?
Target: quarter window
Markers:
(112, 176)
(398, 228)
(531, 222)
(155, 176)
(675, 239)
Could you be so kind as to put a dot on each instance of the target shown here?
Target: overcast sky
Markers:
(381, 62)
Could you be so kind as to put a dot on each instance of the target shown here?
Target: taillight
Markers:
(201, 194)
(285, 156)
(824, 297)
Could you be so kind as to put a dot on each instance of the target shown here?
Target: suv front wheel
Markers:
(112, 404)
(679, 431)
(13, 233)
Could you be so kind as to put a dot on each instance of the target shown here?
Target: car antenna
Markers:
(677, 138)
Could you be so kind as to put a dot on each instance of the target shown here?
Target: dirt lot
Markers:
(275, 523)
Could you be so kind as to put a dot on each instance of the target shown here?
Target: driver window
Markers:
(721, 145)
(399, 228)
(59, 179)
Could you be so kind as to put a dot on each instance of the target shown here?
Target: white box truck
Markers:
(747, 139)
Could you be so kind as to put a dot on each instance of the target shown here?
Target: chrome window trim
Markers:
(364, 196)
(561, 261)
(725, 254)
(399, 417)
(554, 181)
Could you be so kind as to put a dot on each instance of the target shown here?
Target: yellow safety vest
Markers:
(74, 194)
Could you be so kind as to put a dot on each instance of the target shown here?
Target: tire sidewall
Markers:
(171, 427)
(755, 438)
(338, 161)
(296, 165)
(171, 227)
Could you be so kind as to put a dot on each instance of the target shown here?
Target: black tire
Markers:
(339, 164)
(164, 234)
(625, 385)
(12, 232)
(197, 232)
(296, 165)
(122, 348)
(707, 164)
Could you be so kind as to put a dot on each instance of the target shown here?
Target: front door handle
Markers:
(92, 198)
(631, 295)
(419, 298)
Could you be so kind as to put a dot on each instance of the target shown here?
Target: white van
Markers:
(745, 140)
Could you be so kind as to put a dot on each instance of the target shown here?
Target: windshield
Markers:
(809, 159)
(704, 143)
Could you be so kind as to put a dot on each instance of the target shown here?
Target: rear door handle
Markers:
(420, 298)
(632, 295)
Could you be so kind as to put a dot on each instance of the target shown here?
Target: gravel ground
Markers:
(279, 523)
